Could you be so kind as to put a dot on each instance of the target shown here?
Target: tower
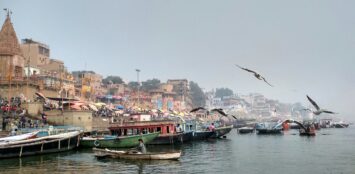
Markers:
(11, 57)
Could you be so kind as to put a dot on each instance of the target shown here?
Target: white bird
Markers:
(257, 75)
(319, 110)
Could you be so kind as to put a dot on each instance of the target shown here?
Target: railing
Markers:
(141, 123)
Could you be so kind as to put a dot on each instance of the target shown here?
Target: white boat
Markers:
(134, 155)
(42, 145)
(19, 137)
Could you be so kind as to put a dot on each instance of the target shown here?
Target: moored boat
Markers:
(168, 133)
(134, 155)
(306, 129)
(197, 129)
(202, 135)
(245, 130)
(340, 125)
(42, 145)
(268, 128)
(18, 137)
(221, 131)
(117, 141)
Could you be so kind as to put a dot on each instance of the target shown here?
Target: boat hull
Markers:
(187, 136)
(39, 146)
(136, 156)
(202, 135)
(176, 138)
(269, 131)
(307, 134)
(339, 125)
(120, 142)
(221, 131)
(246, 130)
(19, 137)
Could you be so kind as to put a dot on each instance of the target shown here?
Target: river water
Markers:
(332, 151)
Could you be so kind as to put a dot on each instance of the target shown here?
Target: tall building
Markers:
(35, 53)
(88, 84)
(11, 57)
(182, 90)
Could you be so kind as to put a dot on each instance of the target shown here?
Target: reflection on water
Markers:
(249, 153)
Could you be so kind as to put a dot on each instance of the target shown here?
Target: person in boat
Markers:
(211, 127)
(44, 118)
(178, 128)
(141, 147)
(13, 130)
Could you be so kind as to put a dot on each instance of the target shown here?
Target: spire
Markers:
(9, 44)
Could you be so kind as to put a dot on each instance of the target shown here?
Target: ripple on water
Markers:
(250, 153)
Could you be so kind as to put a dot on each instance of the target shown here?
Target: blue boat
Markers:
(269, 128)
(199, 132)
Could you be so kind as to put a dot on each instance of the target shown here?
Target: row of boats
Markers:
(307, 128)
(157, 132)
(123, 134)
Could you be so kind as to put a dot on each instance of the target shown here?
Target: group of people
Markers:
(104, 112)
(10, 107)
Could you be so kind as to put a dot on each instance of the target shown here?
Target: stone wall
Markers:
(101, 123)
(81, 119)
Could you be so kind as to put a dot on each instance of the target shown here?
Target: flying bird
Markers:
(257, 75)
(220, 111)
(198, 108)
(319, 110)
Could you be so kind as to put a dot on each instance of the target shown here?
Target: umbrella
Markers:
(100, 104)
(119, 107)
(76, 107)
(93, 107)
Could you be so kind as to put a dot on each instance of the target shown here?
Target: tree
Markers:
(197, 96)
(113, 79)
(79, 74)
(223, 92)
(151, 84)
(133, 85)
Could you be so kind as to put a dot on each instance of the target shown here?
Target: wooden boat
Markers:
(18, 137)
(197, 129)
(307, 129)
(221, 131)
(117, 141)
(134, 155)
(202, 135)
(269, 128)
(245, 130)
(167, 129)
(311, 132)
(269, 131)
(42, 145)
(340, 125)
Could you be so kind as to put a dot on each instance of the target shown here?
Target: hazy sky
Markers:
(302, 47)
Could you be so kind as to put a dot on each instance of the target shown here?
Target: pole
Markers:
(138, 85)
(28, 67)
(10, 80)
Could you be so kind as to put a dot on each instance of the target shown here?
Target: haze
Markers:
(301, 47)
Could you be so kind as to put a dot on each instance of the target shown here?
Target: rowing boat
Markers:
(134, 155)
(42, 145)
(18, 137)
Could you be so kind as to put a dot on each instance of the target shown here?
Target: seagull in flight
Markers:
(319, 110)
(198, 108)
(257, 75)
(220, 111)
